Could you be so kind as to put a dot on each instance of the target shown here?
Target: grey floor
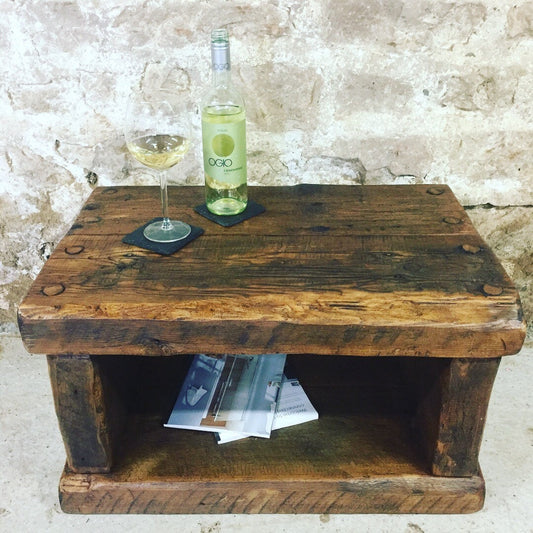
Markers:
(32, 457)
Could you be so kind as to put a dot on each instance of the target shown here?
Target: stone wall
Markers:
(338, 91)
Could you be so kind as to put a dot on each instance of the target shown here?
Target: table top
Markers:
(327, 269)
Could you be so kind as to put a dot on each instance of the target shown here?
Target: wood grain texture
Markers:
(362, 455)
(327, 272)
(451, 412)
(465, 392)
(379, 270)
(83, 412)
(92, 493)
(350, 460)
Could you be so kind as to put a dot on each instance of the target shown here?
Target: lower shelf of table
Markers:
(99, 493)
(342, 463)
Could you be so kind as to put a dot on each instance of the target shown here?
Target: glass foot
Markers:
(174, 230)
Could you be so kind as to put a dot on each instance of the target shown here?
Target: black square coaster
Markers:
(252, 209)
(164, 248)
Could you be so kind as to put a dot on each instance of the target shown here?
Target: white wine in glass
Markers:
(159, 151)
(157, 135)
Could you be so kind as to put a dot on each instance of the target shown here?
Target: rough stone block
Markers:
(520, 20)
(281, 96)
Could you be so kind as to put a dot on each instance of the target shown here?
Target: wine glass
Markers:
(158, 136)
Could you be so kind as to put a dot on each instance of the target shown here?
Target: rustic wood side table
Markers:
(392, 310)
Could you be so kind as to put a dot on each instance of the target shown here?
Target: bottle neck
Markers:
(221, 64)
(221, 78)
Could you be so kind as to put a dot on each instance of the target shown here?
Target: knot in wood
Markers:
(492, 290)
(452, 220)
(53, 290)
(74, 250)
(435, 191)
(469, 248)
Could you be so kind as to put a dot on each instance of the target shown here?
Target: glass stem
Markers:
(166, 224)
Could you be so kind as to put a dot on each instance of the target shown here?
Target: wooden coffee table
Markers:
(393, 312)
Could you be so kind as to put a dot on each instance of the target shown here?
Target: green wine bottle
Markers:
(224, 136)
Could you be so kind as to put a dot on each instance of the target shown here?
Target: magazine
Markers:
(230, 393)
(293, 408)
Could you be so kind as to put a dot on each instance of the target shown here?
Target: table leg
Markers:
(83, 411)
(451, 416)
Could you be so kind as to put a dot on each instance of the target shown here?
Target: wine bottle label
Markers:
(224, 147)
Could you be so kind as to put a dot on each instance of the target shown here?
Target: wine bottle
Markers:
(224, 135)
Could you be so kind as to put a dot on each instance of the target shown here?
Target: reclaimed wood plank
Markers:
(307, 209)
(342, 463)
(86, 410)
(275, 282)
(156, 338)
(90, 493)
(464, 391)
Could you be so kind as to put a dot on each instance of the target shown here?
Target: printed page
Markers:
(231, 393)
(293, 408)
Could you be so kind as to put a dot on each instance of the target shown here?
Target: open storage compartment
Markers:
(365, 411)
(367, 441)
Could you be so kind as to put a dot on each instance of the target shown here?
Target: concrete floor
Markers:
(32, 458)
